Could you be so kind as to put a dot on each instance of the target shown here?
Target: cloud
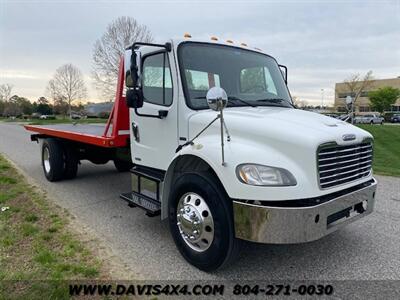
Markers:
(17, 74)
(321, 42)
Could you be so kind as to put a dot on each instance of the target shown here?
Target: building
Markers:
(362, 104)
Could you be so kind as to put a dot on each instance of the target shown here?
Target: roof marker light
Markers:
(214, 38)
(229, 41)
(244, 44)
(258, 49)
(187, 35)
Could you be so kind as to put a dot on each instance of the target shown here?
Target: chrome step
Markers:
(151, 206)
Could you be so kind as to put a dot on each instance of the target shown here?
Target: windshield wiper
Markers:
(231, 98)
(275, 100)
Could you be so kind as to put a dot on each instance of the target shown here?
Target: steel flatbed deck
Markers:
(94, 134)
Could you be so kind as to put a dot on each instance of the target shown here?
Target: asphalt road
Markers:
(367, 249)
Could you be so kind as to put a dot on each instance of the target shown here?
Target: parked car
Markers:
(369, 119)
(395, 118)
(47, 117)
(331, 115)
(75, 116)
(343, 117)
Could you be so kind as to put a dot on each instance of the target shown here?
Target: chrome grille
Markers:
(342, 164)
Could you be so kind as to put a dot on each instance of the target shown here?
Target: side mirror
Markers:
(284, 72)
(216, 98)
(134, 98)
(132, 74)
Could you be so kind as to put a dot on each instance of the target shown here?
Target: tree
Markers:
(43, 107)
(5, 91)
(67, 84)
(355, 85)
(121, 33)
(24, 105)
(382, 99)
(299, 103)
(12, 108)
(60, 106)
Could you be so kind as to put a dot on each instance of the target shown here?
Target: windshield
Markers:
(249, 78)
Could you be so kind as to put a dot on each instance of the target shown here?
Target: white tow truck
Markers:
(215, 145)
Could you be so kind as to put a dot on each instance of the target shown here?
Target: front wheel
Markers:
(201, 221)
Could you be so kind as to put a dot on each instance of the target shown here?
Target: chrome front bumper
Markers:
(287, 225)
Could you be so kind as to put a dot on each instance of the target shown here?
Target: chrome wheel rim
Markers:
(46, 159)
(195, 222)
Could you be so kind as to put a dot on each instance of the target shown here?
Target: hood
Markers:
(279, 124)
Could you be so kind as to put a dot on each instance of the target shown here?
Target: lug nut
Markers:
(192, 237)
(196, 232)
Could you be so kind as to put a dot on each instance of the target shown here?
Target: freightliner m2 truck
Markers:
(217, 149)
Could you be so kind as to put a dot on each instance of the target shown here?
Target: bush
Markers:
(104, 115)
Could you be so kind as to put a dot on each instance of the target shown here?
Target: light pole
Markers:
(322, 98)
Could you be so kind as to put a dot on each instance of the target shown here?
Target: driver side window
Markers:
(157, 82)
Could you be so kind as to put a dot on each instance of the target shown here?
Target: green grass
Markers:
(35, 244)
(386, 148)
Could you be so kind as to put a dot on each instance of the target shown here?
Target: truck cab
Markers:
(217, 149)
(286, 175)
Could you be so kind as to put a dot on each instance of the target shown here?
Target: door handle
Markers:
(135, 131)
(163, 114)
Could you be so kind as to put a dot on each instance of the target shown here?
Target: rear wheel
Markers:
(71, 162)
(201, 221)
(52, 159)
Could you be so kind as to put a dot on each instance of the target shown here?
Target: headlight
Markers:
(254, 174)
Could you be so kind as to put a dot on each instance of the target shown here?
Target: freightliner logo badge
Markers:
(349, 137)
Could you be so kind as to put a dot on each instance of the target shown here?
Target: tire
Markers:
(122, 165)
(71, 161)
(53, 160)
(224, 247)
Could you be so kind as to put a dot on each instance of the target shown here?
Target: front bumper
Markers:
(287, 225)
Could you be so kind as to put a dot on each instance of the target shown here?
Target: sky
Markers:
(321, 42)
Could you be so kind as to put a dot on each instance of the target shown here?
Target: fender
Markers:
(239, 150)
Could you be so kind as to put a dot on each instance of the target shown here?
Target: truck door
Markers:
(154, 140)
